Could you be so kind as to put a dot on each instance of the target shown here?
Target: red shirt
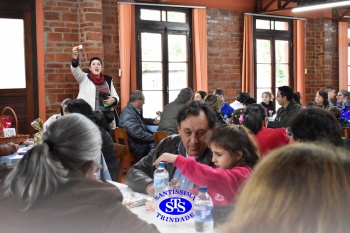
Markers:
(269, 139)
(223, 185)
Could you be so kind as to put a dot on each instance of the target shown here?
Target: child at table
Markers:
(234, 154)
(267, 102)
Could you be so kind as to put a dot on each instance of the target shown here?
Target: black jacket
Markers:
(141, 174)
(138, 135)
(269, 107)
(284, 115)
(109, 154)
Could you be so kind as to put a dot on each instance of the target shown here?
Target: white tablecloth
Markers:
(150, 217)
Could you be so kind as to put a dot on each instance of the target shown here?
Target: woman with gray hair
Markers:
(53, 187)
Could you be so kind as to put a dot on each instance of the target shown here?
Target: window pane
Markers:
(177, 48)
(283, 26)
(177, 76)
(282, 75)
(177, 17)
(153, 103)
(153, 15)
(263, 75)
(152, 76)
(163, 15)
(12, 44)
(262, 24)
(151, 47)
(263, 51)
(282, 51)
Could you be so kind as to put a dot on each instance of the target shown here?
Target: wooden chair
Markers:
(121, 137)
(159, 136)
(346, 132)
(120, 149)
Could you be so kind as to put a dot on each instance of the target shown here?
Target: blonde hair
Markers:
(269, 94)
(300, 188)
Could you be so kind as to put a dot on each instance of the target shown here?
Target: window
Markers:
(164, 59)
(13, 46)
(273, 55)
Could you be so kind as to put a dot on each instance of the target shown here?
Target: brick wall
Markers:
(225, 43)
(321, 56)
(92, 23)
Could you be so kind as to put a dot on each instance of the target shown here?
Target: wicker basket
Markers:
(19, 138)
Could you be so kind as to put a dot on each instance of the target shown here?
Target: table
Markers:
(14, 158)
(150, 216)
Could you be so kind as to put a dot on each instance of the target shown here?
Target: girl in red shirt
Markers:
(234, 154)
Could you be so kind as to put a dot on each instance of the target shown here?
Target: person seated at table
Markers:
(256, 120)
(315, 125)
(343, 102)
(267, 102)
(238, 103)
(248, 102)
(141, 141)
(234, 154)
(237, 116)
(298, 188)
(195, 121)
(226, 110)
(109, 159)
(56, 116)
(168, 120)
(331, 95)
(287, 110)
(321, 99)
(216, 103)
(296, 97)
(199, 96)
(336, 112)
(53, 188)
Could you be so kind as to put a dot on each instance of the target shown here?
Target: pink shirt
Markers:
(223, 185)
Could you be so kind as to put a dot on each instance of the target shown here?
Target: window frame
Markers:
(165, 28)
(274, 35)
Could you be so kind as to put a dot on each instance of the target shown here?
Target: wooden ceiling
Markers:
(272, 6)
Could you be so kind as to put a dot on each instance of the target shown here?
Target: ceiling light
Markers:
(320, 6)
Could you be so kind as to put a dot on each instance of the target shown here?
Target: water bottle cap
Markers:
(161, 165)
(203, 189)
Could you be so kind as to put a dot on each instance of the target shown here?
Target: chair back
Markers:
(159, 136)
(120, 149)
(346, 132)
(121, 137)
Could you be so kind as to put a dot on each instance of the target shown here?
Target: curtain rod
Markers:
(163, 5)
(275, 16)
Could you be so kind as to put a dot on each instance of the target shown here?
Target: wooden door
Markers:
(24, 101)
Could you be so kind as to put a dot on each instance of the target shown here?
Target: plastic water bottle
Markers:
(160, 179)
(203, 211)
